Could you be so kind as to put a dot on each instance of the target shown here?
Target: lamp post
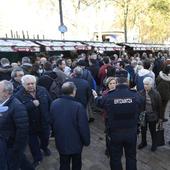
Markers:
(62, 28)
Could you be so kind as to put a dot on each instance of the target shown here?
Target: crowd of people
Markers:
(57, 96)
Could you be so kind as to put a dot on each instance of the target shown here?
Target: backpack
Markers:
(55, 88)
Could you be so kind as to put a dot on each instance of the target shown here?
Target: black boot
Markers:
(153, 148)
(153, 137)
(142, 145)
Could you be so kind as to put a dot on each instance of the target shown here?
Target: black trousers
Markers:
(123, 141)
(65, 161)
(107, 137)
(38, 141)
(18, 161)
(152, 129)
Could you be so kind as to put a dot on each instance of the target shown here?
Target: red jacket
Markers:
(102, 72)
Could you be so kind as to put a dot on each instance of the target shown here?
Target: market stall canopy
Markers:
(63, 45)
(7, 45)
(144, 47)
(104, 46)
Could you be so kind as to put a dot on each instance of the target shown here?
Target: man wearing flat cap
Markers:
(122, 121)
(122, 73)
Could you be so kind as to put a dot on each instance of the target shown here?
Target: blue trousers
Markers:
(3, 154)
(18, 160)
(119, 141)
(38, 141)
(65, 161)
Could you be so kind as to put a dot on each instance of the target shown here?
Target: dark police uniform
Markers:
(122, 106)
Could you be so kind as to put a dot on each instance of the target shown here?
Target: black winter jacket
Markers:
(14, 125)
(38, 116)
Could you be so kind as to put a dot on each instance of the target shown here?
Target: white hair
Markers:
(148, 80)
(8, 86)
(27, 78)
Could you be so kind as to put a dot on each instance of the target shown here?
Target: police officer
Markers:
(122, 106)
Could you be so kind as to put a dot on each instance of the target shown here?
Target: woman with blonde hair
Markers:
(110, 85)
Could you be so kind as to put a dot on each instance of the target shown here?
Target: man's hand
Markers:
(36, 102)
(160, 121)
(94, 93)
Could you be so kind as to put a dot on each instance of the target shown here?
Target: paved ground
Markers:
(94, 158)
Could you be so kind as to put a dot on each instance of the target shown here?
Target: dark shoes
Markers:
(91, 119)
(142, 145)
(47, 152)
(165, 119)
(153, 148)
(107, 153)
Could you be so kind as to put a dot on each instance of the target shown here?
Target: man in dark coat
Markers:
(37, 101)
(5, 69)
(92, 83)
(83, 92)
(26, 65)
(71, 127)
(47, 79)
(16, 76)
(14, 128)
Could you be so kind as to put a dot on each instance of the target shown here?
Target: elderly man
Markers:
(84, 91)
(26, 65)
(16, 76)
(37, 101)
(5, 69)
(14, 127)
(71, 128)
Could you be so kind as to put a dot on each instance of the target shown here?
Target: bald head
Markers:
(69, 89)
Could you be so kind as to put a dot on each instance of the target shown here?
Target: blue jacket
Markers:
(87, 76)
(71, 129)
(83, 92)
(38, 116)
(122, 106)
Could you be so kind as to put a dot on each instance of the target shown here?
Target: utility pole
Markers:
(126, 13)
(62, 28)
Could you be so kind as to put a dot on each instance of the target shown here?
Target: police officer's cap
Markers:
(81, 63)
(122, 73)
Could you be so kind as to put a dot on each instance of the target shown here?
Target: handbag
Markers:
(142, 119)
(151, 116)
(160, 140)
